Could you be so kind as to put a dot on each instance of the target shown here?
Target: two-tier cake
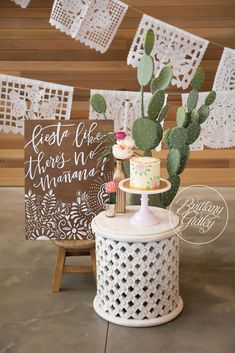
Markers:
(144, 172)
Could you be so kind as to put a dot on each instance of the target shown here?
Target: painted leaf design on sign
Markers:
(30, 205)
(48, 203)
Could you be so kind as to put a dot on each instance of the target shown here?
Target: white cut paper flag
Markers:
(22, 3)
(123, 107)
(225, 75)
(181, 50)
(92, 22)
(22, 98)
(67, 15)
(218, 131)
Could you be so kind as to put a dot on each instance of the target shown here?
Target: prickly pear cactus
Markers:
(144, 132)
(98, 103)
(147, 130)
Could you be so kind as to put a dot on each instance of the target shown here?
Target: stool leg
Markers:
(93, 259)
(59, 269)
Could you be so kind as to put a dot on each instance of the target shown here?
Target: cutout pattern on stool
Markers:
(137, 280)
(181, 50)
(21, 99)
(225, 75)
(218, 131)
(22, 3)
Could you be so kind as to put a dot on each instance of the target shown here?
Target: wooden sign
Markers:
(64, 188)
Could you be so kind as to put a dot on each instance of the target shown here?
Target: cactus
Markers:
(198, 79)
(193, 131)
(149, 42)
(144, 132)
(145, 70)
(173, 161)
(163, 113)
(192, 100)
(195, 116)
(155, 105)
(162, 82)
(181, 117)
(184, 156)
(210, 98)
(178, 137)
(165, 137)
(147, 130)
(169, 196)
(98, 103)
(204, 112)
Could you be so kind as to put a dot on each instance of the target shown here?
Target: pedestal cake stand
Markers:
(144, 216)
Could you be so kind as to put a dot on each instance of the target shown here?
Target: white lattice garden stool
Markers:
(137, 269)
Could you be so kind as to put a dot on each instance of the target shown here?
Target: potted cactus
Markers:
(147, 130)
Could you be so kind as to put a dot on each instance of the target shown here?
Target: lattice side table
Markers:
(137, 269)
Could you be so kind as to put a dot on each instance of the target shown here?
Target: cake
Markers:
(144, 172)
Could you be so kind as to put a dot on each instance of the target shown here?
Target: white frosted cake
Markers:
(144, 172)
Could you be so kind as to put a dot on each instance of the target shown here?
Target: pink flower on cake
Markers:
(155, 183)
(141, 168)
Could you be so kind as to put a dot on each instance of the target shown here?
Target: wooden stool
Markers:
(72, 248)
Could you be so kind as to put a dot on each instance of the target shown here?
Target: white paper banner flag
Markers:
(225, 75)
(22, 98)
(92, 22)
(22, 3)
(218, 131)
(67, 15)
(123, 107)
(181, 50)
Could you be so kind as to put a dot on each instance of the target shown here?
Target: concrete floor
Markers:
(33, 320)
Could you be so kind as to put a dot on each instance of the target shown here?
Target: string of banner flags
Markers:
(95, 23)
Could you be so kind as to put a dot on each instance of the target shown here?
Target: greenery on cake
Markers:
(147, 130)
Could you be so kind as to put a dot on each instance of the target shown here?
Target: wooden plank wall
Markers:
(30, 47)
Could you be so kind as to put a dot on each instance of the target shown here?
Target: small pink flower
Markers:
(111, 187)
(120, 135)
(141, 168)
(155, 183)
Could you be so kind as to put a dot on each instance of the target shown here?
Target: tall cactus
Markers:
(147, 130)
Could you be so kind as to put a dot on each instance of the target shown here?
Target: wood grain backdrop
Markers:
(30, 47)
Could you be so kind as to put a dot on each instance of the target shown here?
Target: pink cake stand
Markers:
(144, 216)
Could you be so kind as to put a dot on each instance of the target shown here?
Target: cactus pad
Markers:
(210, 98)
(194, 116)
(198, 79)
(181, 117)
(163, 80)
(167, 197)
(145, 70)
(192, 100)
(184, 153)
(156, 104)
(98, 103)
(159, 134)
(173, 161)
(193, 131)
(144, 132)
(163, 113)
(165, 137)
(204, 112)
(149, 42)
(178, 137)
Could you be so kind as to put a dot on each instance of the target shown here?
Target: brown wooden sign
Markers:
(64, 188)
